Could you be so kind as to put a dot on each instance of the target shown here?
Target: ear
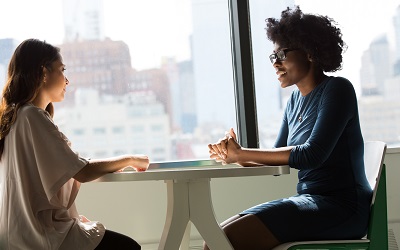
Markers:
(44, 74)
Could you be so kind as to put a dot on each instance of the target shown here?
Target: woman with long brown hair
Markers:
(40, 175)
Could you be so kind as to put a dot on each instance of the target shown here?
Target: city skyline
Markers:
(175, 15)
(210, 68)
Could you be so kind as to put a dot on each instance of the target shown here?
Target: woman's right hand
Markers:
(225, 150)
(141, 162)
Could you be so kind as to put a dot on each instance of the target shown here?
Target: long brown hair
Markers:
(24, 79)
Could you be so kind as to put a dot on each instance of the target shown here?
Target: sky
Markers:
(168, 25)
(166, 30)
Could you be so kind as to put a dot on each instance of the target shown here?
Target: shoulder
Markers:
(338, 86)
(338, 82)
(30, 110)
(33, 115)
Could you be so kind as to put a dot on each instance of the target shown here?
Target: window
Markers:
(78, 132)
(99, 131)
(170, 63)
(162, 66)
(371, 31)
(118, 130)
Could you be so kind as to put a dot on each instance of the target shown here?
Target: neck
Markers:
(311, 82)
(40, 102)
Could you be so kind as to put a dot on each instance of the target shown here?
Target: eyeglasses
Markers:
(279, 55)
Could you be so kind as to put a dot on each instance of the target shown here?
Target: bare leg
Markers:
(223, 224)
(248, 232)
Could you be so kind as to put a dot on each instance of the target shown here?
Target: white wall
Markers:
(138, 208)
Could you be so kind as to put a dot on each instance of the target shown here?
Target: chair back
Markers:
(374, 155)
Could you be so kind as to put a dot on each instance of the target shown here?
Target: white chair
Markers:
(377, 237)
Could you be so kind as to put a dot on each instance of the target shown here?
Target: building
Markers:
(7, 47)
(188, 116)
(375, 112)
(103, 126)
(376, 67)
(212, 63)
(396, 23)
(213, 66)
(101, 65)
(83, 20)
(157, 82)
(380, 92)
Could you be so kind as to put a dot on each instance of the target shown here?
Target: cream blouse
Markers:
(37, 191)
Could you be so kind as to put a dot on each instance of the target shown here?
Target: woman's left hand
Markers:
(226, 150)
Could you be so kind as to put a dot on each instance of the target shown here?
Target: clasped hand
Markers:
(226, 150)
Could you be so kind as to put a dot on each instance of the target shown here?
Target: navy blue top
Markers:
(329, 147)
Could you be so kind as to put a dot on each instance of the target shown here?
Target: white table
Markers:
(189, 197)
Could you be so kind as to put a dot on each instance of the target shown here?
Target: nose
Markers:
(66, 80)
(276, 63)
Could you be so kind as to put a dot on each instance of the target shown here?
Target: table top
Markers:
(198, 169)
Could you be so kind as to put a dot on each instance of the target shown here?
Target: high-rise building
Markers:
(169, 67)
(83, 20)
(188, 117)
(101, 65)
(376, 67)
(212, 60)
(396, 22)
(212, 63)
(155, 81)
(7, 47)
(183, 95)
(380, 86)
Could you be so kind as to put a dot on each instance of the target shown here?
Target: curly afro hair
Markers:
(315, 34)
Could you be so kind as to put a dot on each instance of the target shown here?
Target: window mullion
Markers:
(246, 113)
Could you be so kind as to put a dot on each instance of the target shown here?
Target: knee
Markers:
(232, 236)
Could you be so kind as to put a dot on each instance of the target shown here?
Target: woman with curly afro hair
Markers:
(320, 136)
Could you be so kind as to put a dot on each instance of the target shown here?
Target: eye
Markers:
(64, 69)
(281, 54)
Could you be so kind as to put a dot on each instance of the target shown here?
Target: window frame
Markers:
(243, 70)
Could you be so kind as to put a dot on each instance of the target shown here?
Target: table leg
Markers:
(186, 238)
(190, 200)
(203, 217)
(177, 215)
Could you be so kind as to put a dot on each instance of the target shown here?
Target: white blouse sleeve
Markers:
(52, 154)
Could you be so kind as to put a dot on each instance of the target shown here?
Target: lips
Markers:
(280, 73)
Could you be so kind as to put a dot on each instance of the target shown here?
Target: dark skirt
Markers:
(316, 217)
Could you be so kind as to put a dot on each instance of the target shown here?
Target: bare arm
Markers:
(97, 168)
(254, 157)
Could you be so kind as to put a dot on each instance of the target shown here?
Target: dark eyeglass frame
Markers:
(279, 55)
